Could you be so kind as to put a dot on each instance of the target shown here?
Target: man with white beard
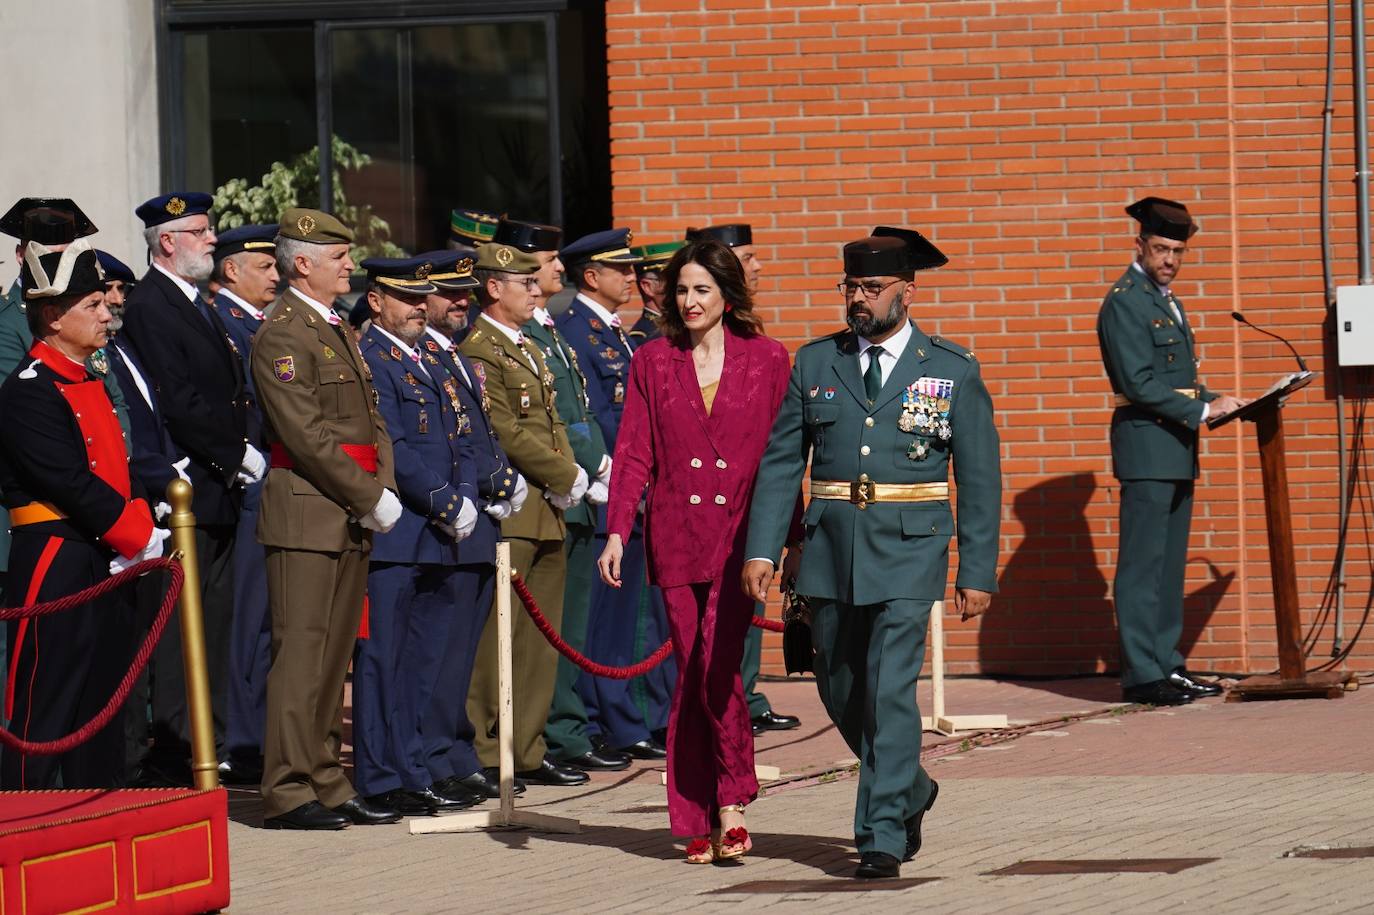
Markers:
(182, 344)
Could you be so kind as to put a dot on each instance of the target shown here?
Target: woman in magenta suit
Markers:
(700, 405)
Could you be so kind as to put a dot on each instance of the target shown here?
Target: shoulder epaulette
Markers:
(282, 314)
(952, 347)
(828, 338)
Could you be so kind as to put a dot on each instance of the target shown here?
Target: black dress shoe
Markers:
(438, 803)
(660, 735)
(877, 865)
(488, 782)
(312, 815)
(646, 749)
(361, 813)
(406, 803)
(913, 823)
(453, 789)
(1156, 692)
(551, 773)
(1182, 681)
(236, 771)
(772, 721)
(594, 761)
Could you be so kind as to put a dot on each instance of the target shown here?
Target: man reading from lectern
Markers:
(1150, 354)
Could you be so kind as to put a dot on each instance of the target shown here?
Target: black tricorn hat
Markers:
(46, 220)
(876, 257)
(73, 271)
(732, 235)
(1158, 216)
(527, 236)
(923, 255)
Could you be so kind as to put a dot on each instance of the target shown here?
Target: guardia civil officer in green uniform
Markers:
(881, 410)
(569, 739)
(1150, 354)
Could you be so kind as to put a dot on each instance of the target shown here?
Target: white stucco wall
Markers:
(78, 113)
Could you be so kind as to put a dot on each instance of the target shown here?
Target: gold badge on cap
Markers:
(305, 225)
(464, 265)
(424, 271)
(176, 206)
(504, 256)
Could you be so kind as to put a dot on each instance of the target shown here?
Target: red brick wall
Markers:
(1013, 134)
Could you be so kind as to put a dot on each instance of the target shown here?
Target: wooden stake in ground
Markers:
(506, 816)
(938, 721)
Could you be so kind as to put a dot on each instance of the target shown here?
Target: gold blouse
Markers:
(708, 394)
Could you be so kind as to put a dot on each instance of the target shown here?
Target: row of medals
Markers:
(924, 413)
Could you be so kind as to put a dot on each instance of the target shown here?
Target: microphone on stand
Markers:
(1241, 318)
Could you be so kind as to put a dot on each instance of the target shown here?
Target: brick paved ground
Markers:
(1241, 783)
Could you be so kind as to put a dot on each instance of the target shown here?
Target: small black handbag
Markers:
(798, 657)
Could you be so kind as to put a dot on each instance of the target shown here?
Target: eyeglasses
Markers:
(871, 291)
(198, 233)
(528, 282)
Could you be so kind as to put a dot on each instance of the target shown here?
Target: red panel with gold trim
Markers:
(150, 850)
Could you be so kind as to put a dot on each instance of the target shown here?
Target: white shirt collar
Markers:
(444, 341)
(514, 334)
(411, 351)
(255, 313)
(541, 315)
(323, 310)
(188, 288)
(597, 309)
(894, 345)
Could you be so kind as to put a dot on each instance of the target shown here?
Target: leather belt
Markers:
(35, 513)
(365, 456)
(1121, 400)
(864, 492)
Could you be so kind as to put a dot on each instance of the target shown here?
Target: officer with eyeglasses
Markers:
(880, 410)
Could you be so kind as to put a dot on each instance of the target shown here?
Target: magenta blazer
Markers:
(699, 469)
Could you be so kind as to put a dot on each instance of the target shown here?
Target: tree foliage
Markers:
(297, 183)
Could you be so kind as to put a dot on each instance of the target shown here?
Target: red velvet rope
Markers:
(145, 651)
(542, 623)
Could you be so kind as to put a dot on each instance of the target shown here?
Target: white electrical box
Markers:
(1355, 325)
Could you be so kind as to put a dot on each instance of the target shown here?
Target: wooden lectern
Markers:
(1292, 682)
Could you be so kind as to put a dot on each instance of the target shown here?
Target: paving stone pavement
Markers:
(1239, 783)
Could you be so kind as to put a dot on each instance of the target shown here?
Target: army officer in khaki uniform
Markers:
(520, 390)
(1150, 355)
(881, 410)
(330, 486)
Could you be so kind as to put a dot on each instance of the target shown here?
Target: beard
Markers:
(870, 326)
(194, 267)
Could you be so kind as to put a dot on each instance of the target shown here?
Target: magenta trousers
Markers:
(710, 740)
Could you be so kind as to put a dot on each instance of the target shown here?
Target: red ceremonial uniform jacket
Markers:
(61, 446)
(699, 469)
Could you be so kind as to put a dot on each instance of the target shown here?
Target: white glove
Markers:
(152, 551)
(597, 493)
(500, 510)
(252, 467)
(562, 503)
(161, 511)
(180, 467)
(604, 475)
(467, 520)
(517, 499)
(384, 514)
(579, 486)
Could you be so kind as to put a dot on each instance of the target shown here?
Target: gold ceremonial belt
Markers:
(864, 492)
(1121, 400)
(35, 513)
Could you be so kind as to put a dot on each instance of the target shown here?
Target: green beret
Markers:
(314, 226)
(506, 259)
(656, 257)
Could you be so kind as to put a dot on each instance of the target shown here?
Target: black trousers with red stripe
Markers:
(66, 665)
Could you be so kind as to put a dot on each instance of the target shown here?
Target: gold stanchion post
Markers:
(204, 765)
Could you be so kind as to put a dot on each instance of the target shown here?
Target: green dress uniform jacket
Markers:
(316, 396)
(527, 424)
(1150, 357)
(1149, 352)
(885, 550)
